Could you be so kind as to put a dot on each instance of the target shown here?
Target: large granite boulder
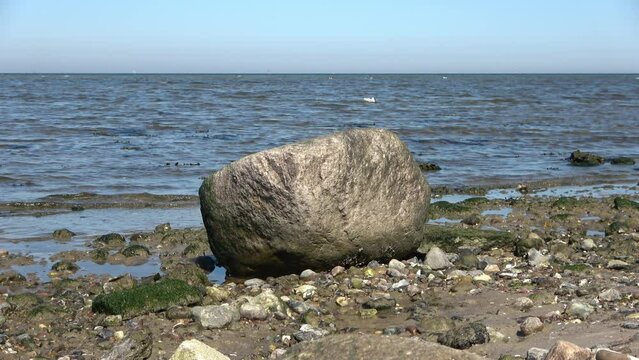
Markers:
(374, 347)
(341, 199)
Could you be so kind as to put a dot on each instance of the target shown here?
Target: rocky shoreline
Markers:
(495, 278)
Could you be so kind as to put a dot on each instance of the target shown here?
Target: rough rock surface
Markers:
(196, 350)
(374, 347)
(347, 198)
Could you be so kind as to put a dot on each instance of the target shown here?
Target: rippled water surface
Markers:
(160, 134)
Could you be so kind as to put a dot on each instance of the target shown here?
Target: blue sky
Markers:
(319, 36)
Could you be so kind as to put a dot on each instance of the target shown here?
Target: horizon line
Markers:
(319, 73)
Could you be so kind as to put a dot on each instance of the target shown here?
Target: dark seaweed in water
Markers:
(75, 134)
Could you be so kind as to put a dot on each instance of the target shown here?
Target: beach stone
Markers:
(215, 316)
(588, 244)
(523, 303)
(579, 310)
(532, 241)
(610, 295)
(436, 259)
(337, 270)
(579, 158)
(622, 160)
(254, 282)
(563, 350)
(196, 350)
(253, 312)
(536, 354)
(342, 199)
(617, 264)
(119, 283)
(396, 264)
(400, 284)
(110, 241)
(465, 336)
(536, 258)
(531, 325)
(63, 234)
(217, 294)
(308, 274)
(306, 291)
(380, 303)
(374, 347)
(139, 345)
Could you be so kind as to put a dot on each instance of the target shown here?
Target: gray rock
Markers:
(380, 303)
(138, 345)
(536, 258)
(63, 234)
(307, 274)
(373, 347)
(396, 264)
(588, 244)
(400, 284)
(610, 295)
(215, 316)
(536, 354)
(465, 336)
(253, 312)
(617, 265)
(436, 259)
(531, 325)
(579, 310)
(196, 350)
(347, 198)
(254, 282)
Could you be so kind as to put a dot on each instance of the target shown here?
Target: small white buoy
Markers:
(370, 100)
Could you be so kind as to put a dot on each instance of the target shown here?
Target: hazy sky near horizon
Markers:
(319, 36)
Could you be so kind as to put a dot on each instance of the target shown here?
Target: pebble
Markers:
(400, 284)
(306, 291)
(633, 325)
(215, 316)
(492, 268)
(563, 350)
(523, 303)
(610, 295)
(536, 258)
(617, 265)
(531, 325)
(118, 335)
(605, 354)
(579, 310)
(396, 264)
(482, 278)
(337, 270)
(342, 301)
(196, 350)
(253, 312)
(254, 282)
(413, 290)
(588, 244)
(307, 274)
(436, 259)
(536, 354)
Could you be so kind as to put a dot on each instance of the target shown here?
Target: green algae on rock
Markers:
(578, 158)
(622, 160)
(110, 241)
(450, 238)
(147, 298)
(569, 202)
(135, 250)
(621, 203)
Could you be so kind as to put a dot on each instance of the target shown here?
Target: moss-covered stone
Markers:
(475, 201)
(579, 158)
(621, 203)
(187, 272)
(66, 266)
(447, 207)
(99, 256)
(616, 227)
(135, 250)
(11, 277)
(63, 234)
(449, 238)
(429, 167)
(195, 249)
(110, 241)
(147, 298)
(622, 160)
